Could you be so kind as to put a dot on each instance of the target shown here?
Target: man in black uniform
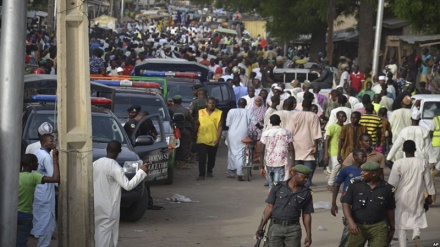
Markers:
(185, 127)
(368, 206)
(285, 204)
(147, 128)
(129, 126)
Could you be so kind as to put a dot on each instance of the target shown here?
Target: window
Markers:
(153, 105)
(430, 110)
(182, 89)
(219, 91)
(104, 128)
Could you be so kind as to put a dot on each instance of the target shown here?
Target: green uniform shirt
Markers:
(27, 182)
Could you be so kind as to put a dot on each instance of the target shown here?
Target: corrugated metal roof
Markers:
(393, 23)
(347, 35)
(413, 39)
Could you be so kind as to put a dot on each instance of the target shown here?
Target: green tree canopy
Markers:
(423, 15)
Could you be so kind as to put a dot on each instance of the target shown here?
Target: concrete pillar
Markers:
(75, 214)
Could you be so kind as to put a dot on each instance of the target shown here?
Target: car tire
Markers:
(137, 209)
(170, 177)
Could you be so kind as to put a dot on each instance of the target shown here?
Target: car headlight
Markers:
(171, 140)
(131, 166)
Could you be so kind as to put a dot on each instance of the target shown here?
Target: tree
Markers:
(423, 15)
(366, 35)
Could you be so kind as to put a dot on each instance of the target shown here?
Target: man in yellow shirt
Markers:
(209, 129)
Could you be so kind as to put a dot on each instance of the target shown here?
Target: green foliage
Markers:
(287, 19)
(423, 15)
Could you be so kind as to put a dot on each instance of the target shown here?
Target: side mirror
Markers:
(144, 140)
(178, 117)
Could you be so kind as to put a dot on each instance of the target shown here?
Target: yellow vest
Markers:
(436, 132)
(207, 133)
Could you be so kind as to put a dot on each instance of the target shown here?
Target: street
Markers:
(226, 212)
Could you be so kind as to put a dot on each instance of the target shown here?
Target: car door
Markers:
(156, 153)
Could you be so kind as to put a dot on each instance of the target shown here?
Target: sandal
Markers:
(240, 178)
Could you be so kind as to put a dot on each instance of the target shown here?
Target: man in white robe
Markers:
(401, 118)
(238, 120)
(108, 178)
(416, 133)
(44, 222)
(411, 176)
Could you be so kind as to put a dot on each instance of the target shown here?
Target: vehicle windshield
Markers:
(182, 89)
(152, 105)
(104, 128)
(430, 110)
(219, 91)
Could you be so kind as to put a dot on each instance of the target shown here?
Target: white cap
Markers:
(382, 78)
(274, 85)
(416, 115)
(45, 128)
(119, 69)
(278, 88)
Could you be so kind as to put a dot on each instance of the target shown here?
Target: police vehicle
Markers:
(105, 127)
(182, 75)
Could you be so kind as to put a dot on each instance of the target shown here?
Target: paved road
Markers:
(227, 213)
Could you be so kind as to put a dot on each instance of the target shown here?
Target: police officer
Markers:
(130, 125)
(185, 127)
(198, 103)
(286, 202)
(368, 206)
(133, 111)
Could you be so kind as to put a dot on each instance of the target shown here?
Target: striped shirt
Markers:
(372, 123)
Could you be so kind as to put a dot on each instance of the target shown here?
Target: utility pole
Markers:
(377, 37)
(13, 37)
(76, 218)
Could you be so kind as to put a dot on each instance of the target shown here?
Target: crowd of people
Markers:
(366, 124)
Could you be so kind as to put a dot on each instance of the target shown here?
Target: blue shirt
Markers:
(346, 174)
(96, 64)
(424, 67)
(240, 91)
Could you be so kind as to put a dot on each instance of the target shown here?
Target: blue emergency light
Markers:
(191, 75)
(53, 98)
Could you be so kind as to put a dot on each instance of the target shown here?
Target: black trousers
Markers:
(206, 151)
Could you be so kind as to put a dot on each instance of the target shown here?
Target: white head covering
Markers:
(416, 115)
(382, 78)
(45, 128)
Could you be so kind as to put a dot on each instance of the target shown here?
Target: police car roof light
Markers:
(191, 75)
(53, 98)
(128, 83)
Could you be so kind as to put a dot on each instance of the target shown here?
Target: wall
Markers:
(256, 27)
